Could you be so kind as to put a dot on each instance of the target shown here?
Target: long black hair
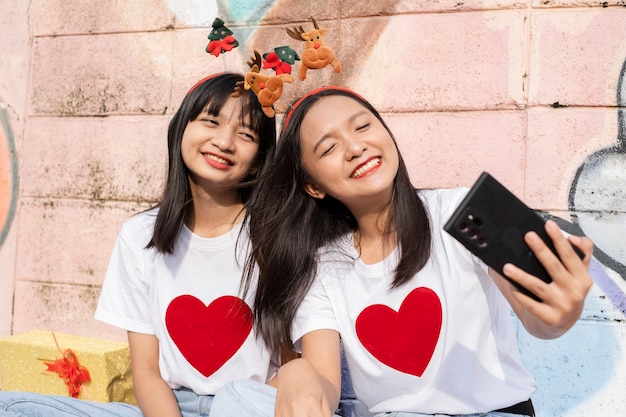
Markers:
(288, 227)
(209, 94)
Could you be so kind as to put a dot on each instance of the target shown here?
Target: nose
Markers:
(223, 140)
(354, 148)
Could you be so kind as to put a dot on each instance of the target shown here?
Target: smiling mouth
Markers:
(217, 159)
(366, 167)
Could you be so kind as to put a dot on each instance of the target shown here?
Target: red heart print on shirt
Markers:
(403, 340)
(208, 336)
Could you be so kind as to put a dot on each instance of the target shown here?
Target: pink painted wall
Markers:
(527, 90)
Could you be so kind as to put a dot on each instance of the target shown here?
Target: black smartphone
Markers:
(491, 222)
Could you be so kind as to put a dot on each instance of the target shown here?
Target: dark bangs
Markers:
(265, 127)
(217, 93)
(258, 122)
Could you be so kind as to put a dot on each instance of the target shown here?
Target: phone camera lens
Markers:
(482, 242)
(472, 233)
(463, 226)
(478, 222)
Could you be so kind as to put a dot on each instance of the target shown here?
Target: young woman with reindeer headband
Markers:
(174, 277)
(347, 247)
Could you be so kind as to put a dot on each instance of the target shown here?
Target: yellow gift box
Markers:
(25, 360)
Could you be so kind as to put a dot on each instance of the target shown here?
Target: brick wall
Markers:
(531, 91)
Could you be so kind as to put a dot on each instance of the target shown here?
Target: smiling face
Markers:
(347, 153)
(219, 150)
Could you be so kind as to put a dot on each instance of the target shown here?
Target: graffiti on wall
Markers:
(598, 193)
(590, 353)
(8, 174)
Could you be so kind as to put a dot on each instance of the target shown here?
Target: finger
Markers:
(544, 254)
(564, 248)
(532, 283)
(551, 307)
(585, 245)
(540, 309)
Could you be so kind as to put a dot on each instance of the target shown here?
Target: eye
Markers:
(328, 150)
(209, 120)
(249, 137)
(362, 127)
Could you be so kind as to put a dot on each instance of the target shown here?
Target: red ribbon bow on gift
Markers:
(224, 45)
(70, 370)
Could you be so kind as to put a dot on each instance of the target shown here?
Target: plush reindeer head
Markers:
(316, 54)
(268, 88)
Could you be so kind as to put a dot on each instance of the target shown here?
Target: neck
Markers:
(214, 214)
(374, 240)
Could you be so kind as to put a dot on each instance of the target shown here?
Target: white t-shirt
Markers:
(443, 342)
(189, 301)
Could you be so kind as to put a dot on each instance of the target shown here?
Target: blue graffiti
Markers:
(571, 369)
(7, 133)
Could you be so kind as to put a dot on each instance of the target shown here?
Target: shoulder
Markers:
(140, 227)
(336, 258)
(441, 202)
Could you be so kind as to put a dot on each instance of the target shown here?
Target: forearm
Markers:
(154, 396)
(543, 330)
(300, 380)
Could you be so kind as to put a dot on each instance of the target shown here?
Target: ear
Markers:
(314, 191)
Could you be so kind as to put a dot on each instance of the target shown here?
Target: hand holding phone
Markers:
(491, 223)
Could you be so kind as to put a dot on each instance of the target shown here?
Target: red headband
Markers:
(295, 105)
(203, 80)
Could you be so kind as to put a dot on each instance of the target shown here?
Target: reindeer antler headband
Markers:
(269, 88)
(316, 54)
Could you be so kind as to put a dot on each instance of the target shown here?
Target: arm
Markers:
(154, 396)
(563, 298)
(311, 385)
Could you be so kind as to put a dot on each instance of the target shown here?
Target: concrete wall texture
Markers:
(532, 91)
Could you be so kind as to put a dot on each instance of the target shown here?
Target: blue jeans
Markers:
(28, 404)
(244, 398)
(403, 414)
(254, 399)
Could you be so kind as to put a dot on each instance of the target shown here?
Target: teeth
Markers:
(362, 170)
(218, 159)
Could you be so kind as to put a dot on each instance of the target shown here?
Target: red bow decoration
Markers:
(70, 370)
(216, 47)
(273, 61)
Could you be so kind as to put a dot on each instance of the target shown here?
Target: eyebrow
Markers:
(328, 134)
(246, 122)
